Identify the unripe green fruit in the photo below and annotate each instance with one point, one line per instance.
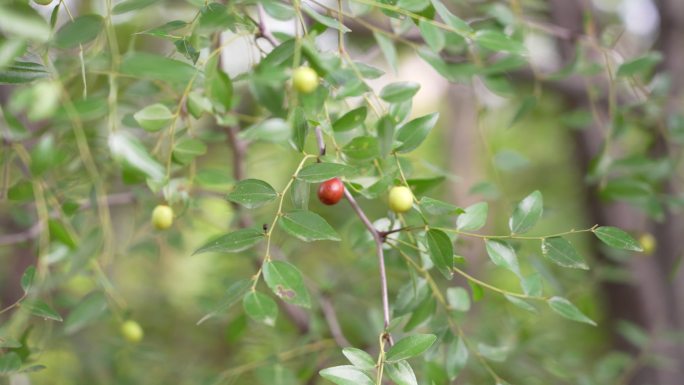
(648, 243)
(132, 331)
(400, 199)
(42, 2)
(162, 217)
(305, 80)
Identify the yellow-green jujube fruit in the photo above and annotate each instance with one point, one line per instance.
(132, 331)
(162, 217)
(305, 80)
(648, 243)
(400, 199)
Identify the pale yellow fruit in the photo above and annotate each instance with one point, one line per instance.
(132, 331)
(162, 217)
(648, 243)
(400, 199)
(305, 80)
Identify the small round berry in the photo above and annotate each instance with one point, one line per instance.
(331, 191)
(400, 199)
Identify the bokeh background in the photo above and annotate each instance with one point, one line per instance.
(493, 142)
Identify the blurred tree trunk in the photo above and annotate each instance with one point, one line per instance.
(650, 300)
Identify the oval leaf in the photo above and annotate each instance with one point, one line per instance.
(153, 117)
(82, 30)
(287, 283)
(320, 172)
(566, 309)
(401, 373)
(350, 120)
(563, 253)
(503, 255)
(41, 309)
(441, 251)
(346, 375)
(617, 238)
(399, 92)
(232, 242)
(412, 134)
(260, 307)
(359, 358)
(308, 226)
(410, 346)
(252, 193)
(526, 213)
(474, 218)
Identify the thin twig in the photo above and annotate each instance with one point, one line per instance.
(331, 318)
(264, 31)
(381, 259)
(320, 140)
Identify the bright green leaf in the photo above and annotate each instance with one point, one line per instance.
(617, 238)
(233, 242)
(526, 213)
(252, 193)
(308, 226)
(474, 218)
(563, 253)
(566, 309)
(410, 346)
(287, 283)
(260, 307)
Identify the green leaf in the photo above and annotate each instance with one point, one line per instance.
(59, 233)
(459, 26)
(413, 133)
(155, 67)
(350, 120)
(308, 226)
(128, 151)
(320, 172)
(287, 283)
(413, 5)
(410, 346)
(233, 242)
(497, 41)
(457, 357)
(79, 31)
(458, 299)
(187, 149)
(275, 130)
(9, 343)
(215, 16)
(503, 255)
(493, 353)
(325, 20)
(359, 358)
(346, 375)
(10, 363)
(563, 253)
(441, 251)
(421, 314)
(87, 311)
(260, 307)
(19, 19)
(521, 303)
(153, 117)
(641, 65)
(566, 309)
(362, 148)
(433, 35)
(10, 50)
(526, 213)
(27, 278)
(385, 130)
(388, 49)
(131, 5)
(401, 373)
(234, 293)
(474, 218)
(532, 285)
(617, 238)
(219, 87)
(252, 193)
(41, 309)
(21, 72)
(399, 91)
(437, 207)
(44, 155)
